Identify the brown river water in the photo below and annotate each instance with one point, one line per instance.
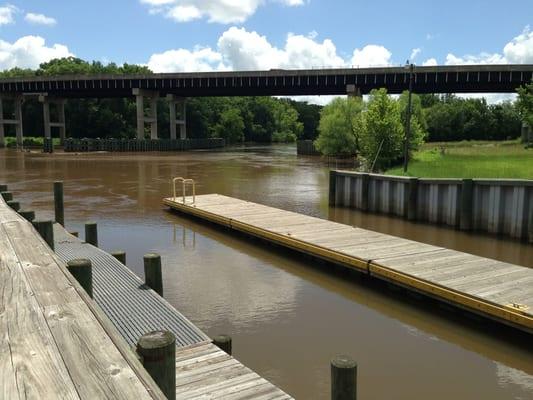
(287, 317)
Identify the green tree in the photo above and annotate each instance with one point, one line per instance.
(382, 133)
(524, 104)
(418, 120)
(309, 116)
(231, 126)
(340, 127)
(287, 128)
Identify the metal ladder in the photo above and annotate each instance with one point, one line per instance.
(184, 182)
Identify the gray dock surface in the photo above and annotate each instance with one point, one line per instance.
(134, 308)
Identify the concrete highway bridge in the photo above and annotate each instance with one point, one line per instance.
(176, 87)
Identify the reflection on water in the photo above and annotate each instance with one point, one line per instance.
(286, 317)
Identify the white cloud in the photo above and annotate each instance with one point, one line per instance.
(414, 53)
(7, 14)
(518, 51)
(239, 49)
(221, 11)
(200, 59)
(430, 62)
(29, 52)
(244, 50)
(482, 58)
(371, 56)
(293, 3)
(491, 98)
(39, 19)
(184, 13)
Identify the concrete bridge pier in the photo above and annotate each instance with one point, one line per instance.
(48, 123)
(179, 117)
(142, 118)
(17, 100)
(353, 91)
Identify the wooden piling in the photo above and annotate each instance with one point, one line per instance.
(91, 233)
(152, 272)
(8, 196)
(15, 205)
(158, 354)
(27, 214)
(120, 255)
(332, 187)
(82, 270)
(3, 188)
(58, 203)
(46, 230)
(467, 197)
(343, 378)
(223, 342)
(412, 199)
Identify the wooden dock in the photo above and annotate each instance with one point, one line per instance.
(132, 307)
(491, 288)
(202, 370)
(55, 342)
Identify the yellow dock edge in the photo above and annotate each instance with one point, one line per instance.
(514, 318)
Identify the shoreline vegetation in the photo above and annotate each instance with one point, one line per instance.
(470, 159)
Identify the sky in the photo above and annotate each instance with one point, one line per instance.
(201, 35)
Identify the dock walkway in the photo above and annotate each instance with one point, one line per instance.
(55, 343)
(202, 369)
(494, 289)
(124, 297)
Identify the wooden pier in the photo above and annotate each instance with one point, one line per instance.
(491, 288)
(202, 369)
(55, 342)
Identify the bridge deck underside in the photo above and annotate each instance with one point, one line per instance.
(440, 79)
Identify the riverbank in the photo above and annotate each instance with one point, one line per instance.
(470, 159)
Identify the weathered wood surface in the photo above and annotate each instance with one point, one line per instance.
(54, 342)
(206, 372)
(495, 289)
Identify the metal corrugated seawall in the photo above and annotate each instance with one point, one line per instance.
(133, 308)
(498, 206)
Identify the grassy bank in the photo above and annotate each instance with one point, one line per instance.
(29, 141)
(473, 159)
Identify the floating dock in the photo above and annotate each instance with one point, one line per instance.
(491, 288)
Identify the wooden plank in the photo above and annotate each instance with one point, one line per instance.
(39, 369)
(207, 372)
(216, 387)
(80, 338)
(48, 365)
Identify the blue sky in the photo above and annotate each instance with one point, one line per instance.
(181, 35)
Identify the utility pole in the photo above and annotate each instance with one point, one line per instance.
(411, 68)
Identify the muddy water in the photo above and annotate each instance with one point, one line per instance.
(287, 318)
